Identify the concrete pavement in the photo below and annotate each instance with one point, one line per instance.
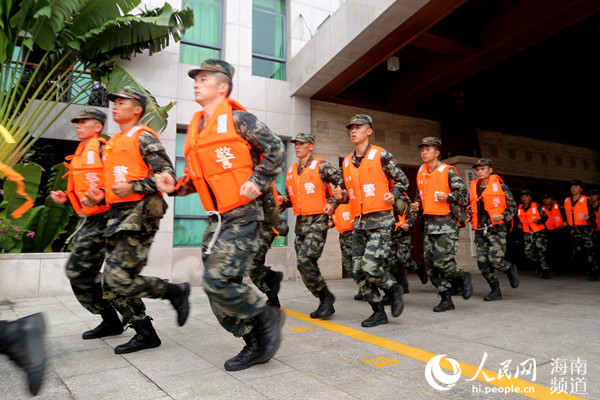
(550, 328)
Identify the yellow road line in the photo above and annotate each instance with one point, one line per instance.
(541, 392)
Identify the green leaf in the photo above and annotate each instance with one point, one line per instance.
(155, 116)
(32, 174)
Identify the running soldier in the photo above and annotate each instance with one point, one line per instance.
(532, 219)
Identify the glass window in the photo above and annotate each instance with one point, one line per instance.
(191, 219)
(268, 38)
(204, 39)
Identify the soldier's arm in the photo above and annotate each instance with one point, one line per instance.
(511, 204)
(332, 175)
(155, 156)
(393, 171)
(262, 141)
(458, 190)
(543, 216)
(592, 213)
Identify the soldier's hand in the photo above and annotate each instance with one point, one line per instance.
(328, 209)
(404, 227)
(415, 206)
(249, 190)
(164, 182)
(58, 196)
(92, 197)
(337, 193)
(279, 200)
(122, 189)
(497, 217)
(389, 198)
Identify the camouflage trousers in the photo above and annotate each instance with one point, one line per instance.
(490, 244)
(596, 237)
(402, 251)
(84, 264)
(582, 247)
(124, 287)
(234, 303)
(370, 253)
(439, 252)
(309, 247)
(346, 249)
(534, 246)
(259, 271)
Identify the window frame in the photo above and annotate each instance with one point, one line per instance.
(273, 58)
(218, 47)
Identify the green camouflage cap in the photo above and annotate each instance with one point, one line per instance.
(213, 65)
(360, 119)
(91, 113)
(304, 137)
(576, 182)
(129, 92)
(431, 141)
(525, 192)
(483, 162)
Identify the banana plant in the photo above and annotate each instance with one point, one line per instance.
(46, 45)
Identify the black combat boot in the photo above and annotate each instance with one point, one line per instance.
(422, 274)
(378, 317)
(397, 303)
(325, 308)
(446, 303)
(359, 296)
(513, 276)
(145, 338)
(268, 327)
(456, 286)
(247, 357)
(495, 294)
(401, 279)
(110, 325)
(467, 287)
(23, 341)
(274, 279)
(179, 295)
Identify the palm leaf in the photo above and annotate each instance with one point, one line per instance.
(155, 116)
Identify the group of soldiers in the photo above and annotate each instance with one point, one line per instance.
(564, 237)
(232, 160)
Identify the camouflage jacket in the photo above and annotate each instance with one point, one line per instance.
(329, 175)
(458, 197)
(263, 142)
(143, 216)
(393, 171)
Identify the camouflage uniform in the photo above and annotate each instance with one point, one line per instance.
(129, 233)
(441, 237)
(346, 249)
(582, 243)
(311, 231)
(490, 240)
(233, 254)
(259, 272)
(85, 262)
(536, 243)
(372, 235)
(401, 256)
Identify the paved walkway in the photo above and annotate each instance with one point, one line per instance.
(547, 327)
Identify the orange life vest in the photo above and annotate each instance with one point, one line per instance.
(307, 191)
(124, 163)
(577, 212)
(554, 217)
(494, 199)
(218, 158)
(343, 218)
(85, 172)
(366, 184)
(429, 183)
(526, 218)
